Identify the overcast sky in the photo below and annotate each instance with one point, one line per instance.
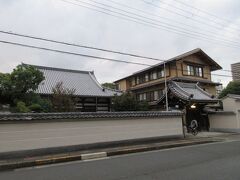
(59, 20)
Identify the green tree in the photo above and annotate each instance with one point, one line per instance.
(5, 88)
(18, 89)
(109, 85)
(62, 98)
(23, 81)
(232, 88)
(128, 102)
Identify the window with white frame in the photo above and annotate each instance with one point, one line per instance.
(137, 80)
(118, 86)
(133, 82)
(146, 77)
(156, 95)
(154, 75)
(142, 96)
(190, 70)
(198, 71)
(194, 71)
(161, 73)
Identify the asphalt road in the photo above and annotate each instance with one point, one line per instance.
(24, 136)
(220, 161)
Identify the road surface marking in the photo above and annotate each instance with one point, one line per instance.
(93, 155)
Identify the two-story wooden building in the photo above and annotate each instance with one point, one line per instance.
(189, 83)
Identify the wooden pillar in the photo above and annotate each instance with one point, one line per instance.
(83, 106)
(109, 104)
(96, 103)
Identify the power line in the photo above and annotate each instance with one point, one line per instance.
(158, 16)
(110, 14)
(192, 14)
(204, 11)
(83, 46)
(108, 5)
(88, 56)
(129, 18)
(72, 53)
(154, 20)
(78, 45)
(126, 17)
(179, 14)
(233, 72)
(154, 25)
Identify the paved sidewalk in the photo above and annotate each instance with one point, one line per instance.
(209, 134)
(25, 159)
(12, 160)
(216, 161)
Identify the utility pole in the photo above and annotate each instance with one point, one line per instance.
(165, 79)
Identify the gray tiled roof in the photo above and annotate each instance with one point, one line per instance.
(190, 80)
(214, 66)
(86, 115)
(84, 82)
(181, 79)
(190, 92)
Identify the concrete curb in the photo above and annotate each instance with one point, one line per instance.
(96, 155)
(85, 147)
(152, 148)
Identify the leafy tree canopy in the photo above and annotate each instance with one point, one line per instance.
(109, 85)
(232, 88)
(26, 78)
(23, 80)
(18, 89)
(5, 88)
(128, 102)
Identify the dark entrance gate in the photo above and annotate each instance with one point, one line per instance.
(197, 114)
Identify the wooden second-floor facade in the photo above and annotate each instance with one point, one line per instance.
(193, 66)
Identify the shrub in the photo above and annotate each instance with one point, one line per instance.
(35, 108)
(34, 103)
(62, 98)
(143, 106)
(128, 102)
(21, 107)
(46, 105)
